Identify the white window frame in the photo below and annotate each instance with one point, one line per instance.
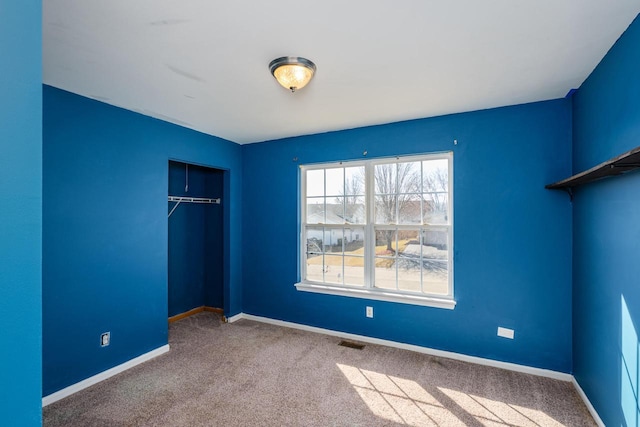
(369, 291)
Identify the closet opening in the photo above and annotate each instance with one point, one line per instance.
(195, 240)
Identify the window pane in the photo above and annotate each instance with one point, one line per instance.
(435, 277)
(385, 262)
(314, 240)
(351, 241)
(408, 176)
(354, 182)
(435, 242)
(435, 207)
(333, 269)
(409, 278)
(409, 209)
(386, 243)
(315, 210)
(315, 183)
(409, 260)
(354, 256)
(408, 243)
(355, 210)
(332, 240)
(335, 210)
(385, 273)
(335, 182)
(435, 175)
(314, 268)
(354, 270)
(385, 179)
(385, 210)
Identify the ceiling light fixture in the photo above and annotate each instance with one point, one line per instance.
(292, 72)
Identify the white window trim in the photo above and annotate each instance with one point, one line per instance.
(377, 294)
(372, 293)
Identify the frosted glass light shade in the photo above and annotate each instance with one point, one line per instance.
(292, 72)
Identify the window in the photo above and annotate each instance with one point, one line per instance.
(379, 229)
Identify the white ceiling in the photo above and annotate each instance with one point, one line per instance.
(203, 64)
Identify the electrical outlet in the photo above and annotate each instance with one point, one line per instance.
(369, 311)
(105, 338)
(505, 332)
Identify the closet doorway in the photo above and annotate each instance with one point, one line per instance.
(196, 238)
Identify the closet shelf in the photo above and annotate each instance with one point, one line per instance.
(180, 199)
(618, 165)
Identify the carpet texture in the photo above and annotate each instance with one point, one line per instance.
(253, 374)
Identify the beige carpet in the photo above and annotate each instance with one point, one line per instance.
(252, 374)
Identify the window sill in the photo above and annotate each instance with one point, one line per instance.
(379, 295)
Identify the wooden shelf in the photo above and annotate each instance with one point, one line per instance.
(618, 165)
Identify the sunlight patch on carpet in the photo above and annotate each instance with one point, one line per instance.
(398, 399)
(494, 413)
(406, 402)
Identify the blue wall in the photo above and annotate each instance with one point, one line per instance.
(195, 240)
(105, 237)
(20, 211)
(606, 285)
(512, 238)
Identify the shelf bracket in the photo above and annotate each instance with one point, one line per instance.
(174, 208)
(569, 191)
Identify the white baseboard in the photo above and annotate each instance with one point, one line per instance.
(74, 388)
(586, 401)
(425, 350)
(235, 318)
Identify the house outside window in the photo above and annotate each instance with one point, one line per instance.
(379, 229)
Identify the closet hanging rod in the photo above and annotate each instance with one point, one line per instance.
(179, 200)
(193, 200)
